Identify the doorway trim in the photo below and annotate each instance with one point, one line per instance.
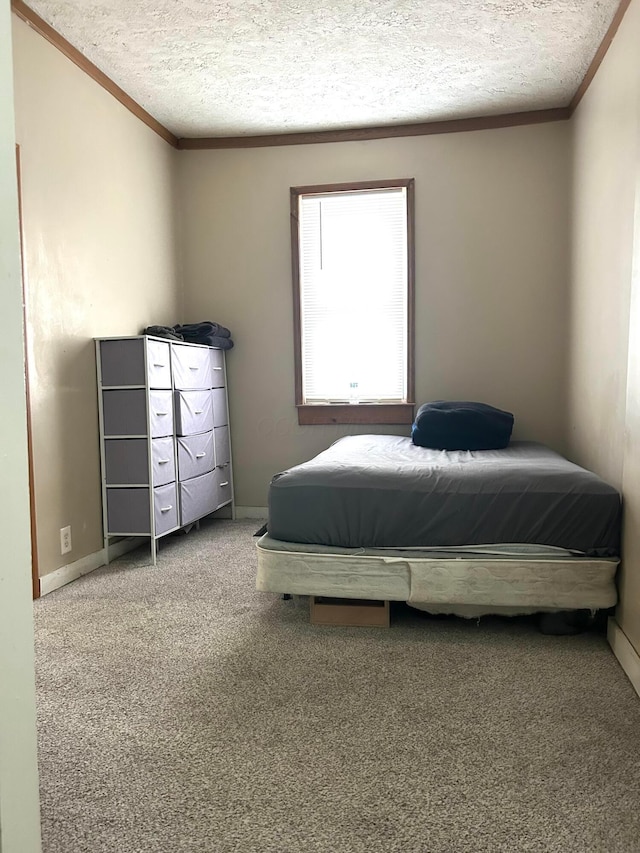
(35, 573)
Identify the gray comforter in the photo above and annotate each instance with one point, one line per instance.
(381, 491)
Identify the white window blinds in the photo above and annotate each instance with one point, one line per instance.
(354, 296)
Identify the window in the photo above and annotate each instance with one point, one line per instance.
(353, 266)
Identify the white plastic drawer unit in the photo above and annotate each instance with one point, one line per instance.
(128, 510)
(122, 362)
(195, 455)
(191, 367)
(198, 497)
(164, 435)
(127, 461)
(194, 412)
(217, 368)
(125, 412)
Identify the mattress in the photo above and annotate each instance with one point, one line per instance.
(382, 491)
(468, 583)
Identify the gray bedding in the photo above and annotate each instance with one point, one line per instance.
(382, 491)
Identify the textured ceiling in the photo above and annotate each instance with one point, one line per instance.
(234, 67)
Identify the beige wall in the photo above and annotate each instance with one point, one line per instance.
(491, 272)
(98, 205)
(604, 412)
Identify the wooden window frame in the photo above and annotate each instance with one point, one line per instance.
(358, 413)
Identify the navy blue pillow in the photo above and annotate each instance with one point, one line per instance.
(461, 426)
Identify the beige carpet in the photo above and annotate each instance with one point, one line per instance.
(180, 710)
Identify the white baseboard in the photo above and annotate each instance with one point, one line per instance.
(73, 571)
(251, 512)
(627, 656)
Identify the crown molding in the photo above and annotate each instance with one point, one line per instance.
(46, 31)
(600, 54)
(390, 131)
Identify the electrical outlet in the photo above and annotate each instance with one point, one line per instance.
(65, 539)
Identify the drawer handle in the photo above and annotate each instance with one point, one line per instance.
(165, 508)
(200, 455)
(192, 367)
(161, 414)
(198, 411)
(224, 484)
(163, 461)
(217, 368)
(157, 364)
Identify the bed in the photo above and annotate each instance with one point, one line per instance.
(516, 530)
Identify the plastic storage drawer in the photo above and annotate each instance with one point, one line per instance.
(217, 368)
(219, 396)
(194, 412)
(195, 455)
(198, 497)
(128, 510)
(191, 367)
(125, 412)
(122, 363)
(127, 461)
(221, 441)
(223, 485)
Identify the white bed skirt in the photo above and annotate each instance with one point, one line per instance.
(469, 585)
